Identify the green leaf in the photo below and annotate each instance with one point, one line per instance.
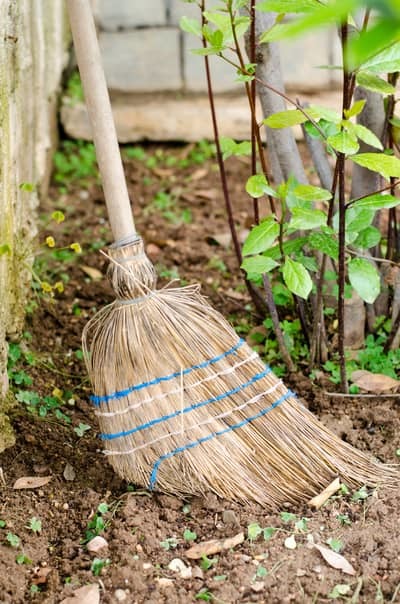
(386, 165)
(307, 219)
(102, 508)
(374, 83)
(387, 61)
(191, 26)
(189, 535)
(336, 545)
(284, 119)
(288, 517)
(5, 249)
(341, 589)
(355, 109)
(344, 143)
(367, 136)
(261, 237)
(13, 540)
(358, 219)
(367, 238)
(257, 186)
(253, 531)
(269, 532)
(318, 112)
(230, 147)
(364, 278)
(324, 243)
(296, 278)
(287, 6)
(310, 193)
(258, 264)
(377, 202)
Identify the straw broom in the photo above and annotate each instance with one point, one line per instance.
(184, 405)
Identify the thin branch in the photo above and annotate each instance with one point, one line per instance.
(277, 327)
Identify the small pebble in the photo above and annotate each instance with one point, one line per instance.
(96, 544)
(229, 517)
(177, 565)
(300, 572)
(164, 582)
(147, 565)
(65, 506)
(120, 595)
(257, 586)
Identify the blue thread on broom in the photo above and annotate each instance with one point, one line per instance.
(97, 400)
(164, 418)
(153, 475)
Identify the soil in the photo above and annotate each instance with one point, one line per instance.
(146, 531)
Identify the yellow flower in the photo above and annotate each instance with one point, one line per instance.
(50, 241)
(76, 247)
(57, 393)
(59, 286)
(58, 216)
(46, 287)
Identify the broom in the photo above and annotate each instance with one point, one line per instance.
(184, 405)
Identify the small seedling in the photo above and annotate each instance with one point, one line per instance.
(35, 525)
(96, 525)
(261, 572)
(169, 543)
(3, 523)
(341, 589)
(13, 540)
(34, 589)
(204, 595)
(301, 525)
(81, 429)
(207, 563)
(398, 452)
(189, 535)
(288, 517)
(360, 495)
(269, 532)
(336, 545)
(344, 519)
(98, 564)
(253, 531)
(22, 559)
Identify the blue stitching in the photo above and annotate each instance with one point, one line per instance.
(178, 412)
(97, 400)
(153, 475)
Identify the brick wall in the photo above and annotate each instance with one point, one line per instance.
(144, 51)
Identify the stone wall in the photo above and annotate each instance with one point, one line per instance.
(144, 50)
(33, 53)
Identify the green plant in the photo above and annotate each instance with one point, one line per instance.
(22, 559)
(81, 429)
(360, 495)
(74, 90)
(309, 226)
(206, 563)
(13, 540)
(336, 545)
(98, 564)
(169, 543)
(205, 595)
(97, 523)
(35, 525)
(344, 519)
(166, 204)
(74, 161)
(189, 535)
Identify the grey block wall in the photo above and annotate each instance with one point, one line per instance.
(144, 50)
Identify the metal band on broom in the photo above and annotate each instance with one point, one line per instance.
(184, 406)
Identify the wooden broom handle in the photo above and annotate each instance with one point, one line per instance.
(100, 116)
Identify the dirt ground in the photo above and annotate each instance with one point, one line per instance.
(145, 531)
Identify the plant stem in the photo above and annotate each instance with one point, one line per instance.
(253, 98)
(252, 106)
(277, 327)
(342, 218)
(254, 294)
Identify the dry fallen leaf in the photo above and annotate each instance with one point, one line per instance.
(335, 560)
(319, 500)
(378, 383)
(89, 594)
(93, 273)
(208, 548)
(31, 482)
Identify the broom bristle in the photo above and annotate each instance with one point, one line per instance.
(184, 406)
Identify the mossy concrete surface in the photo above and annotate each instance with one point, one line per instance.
(33, 52)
